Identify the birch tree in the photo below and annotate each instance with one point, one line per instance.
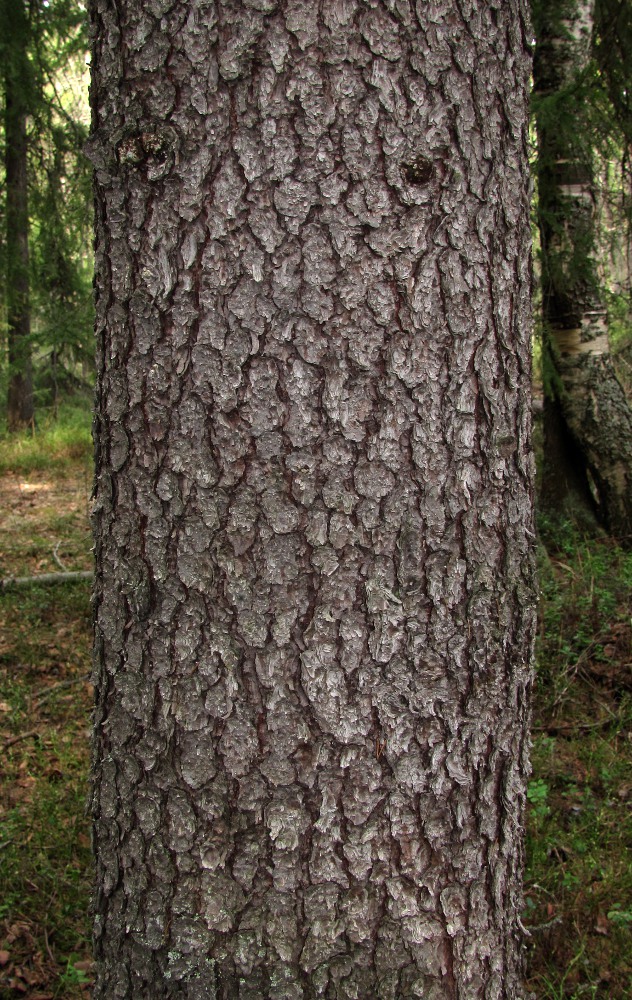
(587, 416)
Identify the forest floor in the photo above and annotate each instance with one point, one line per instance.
(579, 888)
(45, 703)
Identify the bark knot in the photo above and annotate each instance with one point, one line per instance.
(418, 171)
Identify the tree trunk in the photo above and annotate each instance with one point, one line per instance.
(565, 489)
(14, 27)
(313, 503)
(581, 375)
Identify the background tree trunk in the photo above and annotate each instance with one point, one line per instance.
(14, 29)
(313, 503)
(565, 488)
(590, 407)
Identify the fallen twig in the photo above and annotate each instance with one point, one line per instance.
(573, 727)
(537, 928)
(50, 691)
(47, 943)
(32, 581)
(21, 736)
(61, 565)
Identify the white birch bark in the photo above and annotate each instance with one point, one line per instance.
(588, 408)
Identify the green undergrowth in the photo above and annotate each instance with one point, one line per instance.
(579, 884)
(44, 852)
(45, 703)
(57, 443)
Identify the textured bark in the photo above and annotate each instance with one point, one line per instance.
(313, 504)
(14, 26)
(588, 396)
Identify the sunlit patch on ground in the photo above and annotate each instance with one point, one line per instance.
(25, 487)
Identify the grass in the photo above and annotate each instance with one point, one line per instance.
(56, 445)
(579, 880)
(45, 703)
(45, 857)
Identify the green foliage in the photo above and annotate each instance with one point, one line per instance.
(537, 795)
(61, 188)
(619, 321)
(612, 47)
(52, 60)
(57, 443)
(595, 108)
(580, 824)
(620, 916)
(584, 127)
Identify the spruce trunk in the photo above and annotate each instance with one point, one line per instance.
(313, 501)
(14, 24)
